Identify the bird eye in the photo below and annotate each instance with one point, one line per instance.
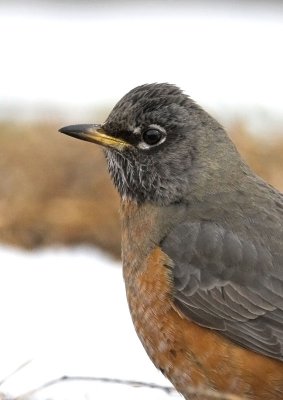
(151, 136)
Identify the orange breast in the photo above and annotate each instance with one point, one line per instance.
(193, 357)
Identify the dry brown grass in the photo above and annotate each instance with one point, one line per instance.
(55, 190)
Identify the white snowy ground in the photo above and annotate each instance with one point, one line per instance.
(69, 61)
(65, 309)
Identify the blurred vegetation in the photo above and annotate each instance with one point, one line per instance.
(55, 190)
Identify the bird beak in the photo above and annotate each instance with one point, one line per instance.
(93, 133)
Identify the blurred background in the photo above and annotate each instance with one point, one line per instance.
(67, 62)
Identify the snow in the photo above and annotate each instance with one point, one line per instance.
(76, 60)
(65, 309)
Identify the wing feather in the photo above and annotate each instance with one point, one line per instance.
(228, 283)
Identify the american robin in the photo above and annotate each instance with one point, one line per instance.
(202, 245)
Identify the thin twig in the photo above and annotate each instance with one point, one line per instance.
(64, 378)
(3, 380)
(207, 393)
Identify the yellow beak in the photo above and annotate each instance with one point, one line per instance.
(93, 133)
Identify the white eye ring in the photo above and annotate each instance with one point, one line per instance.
(152, 137)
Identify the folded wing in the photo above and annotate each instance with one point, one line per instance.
(227, 283)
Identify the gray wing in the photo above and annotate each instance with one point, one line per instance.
(229, 284)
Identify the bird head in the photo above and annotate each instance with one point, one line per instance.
(158, 142)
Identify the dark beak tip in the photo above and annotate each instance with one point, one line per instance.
(64, 129)
(77, 129)
(68, 130)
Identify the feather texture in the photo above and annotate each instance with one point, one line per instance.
(228, 283)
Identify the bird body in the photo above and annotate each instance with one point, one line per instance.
(202, 246)
(190, 355)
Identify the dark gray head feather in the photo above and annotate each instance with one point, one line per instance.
(193, 150)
